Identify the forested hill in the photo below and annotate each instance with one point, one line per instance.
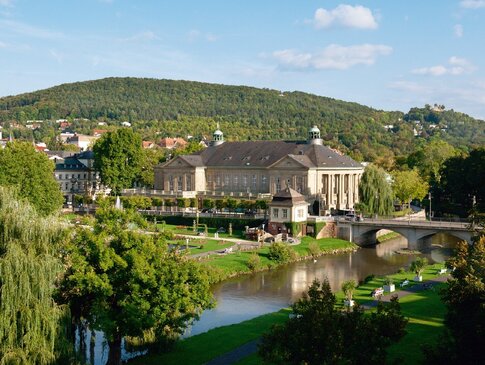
(185, 107)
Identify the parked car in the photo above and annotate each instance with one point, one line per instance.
(208, 210)
(350, 217)
(221, 230)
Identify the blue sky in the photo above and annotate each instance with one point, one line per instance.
(390, 55)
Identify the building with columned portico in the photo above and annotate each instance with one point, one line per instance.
(326, 178)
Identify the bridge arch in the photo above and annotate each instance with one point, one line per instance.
(461, 235)
(367, 236)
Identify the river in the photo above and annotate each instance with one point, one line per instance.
(249, 296)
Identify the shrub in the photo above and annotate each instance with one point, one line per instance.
(280, 252)
(369, 278)
(254, 262)
(314, 249)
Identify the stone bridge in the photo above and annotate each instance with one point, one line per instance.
(363, 233)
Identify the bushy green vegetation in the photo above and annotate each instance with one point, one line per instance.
(174, 107)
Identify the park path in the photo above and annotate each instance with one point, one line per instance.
(249, 348)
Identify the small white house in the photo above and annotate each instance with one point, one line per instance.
(287, 206)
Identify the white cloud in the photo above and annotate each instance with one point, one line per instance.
(472, 4)
(333, 56)
(6, 3)
(195, 35)
(346, 16)
(458, 30)
(59, 57)
(456, 66)
(29, 30)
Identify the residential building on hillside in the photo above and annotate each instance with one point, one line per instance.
(327, 179)
(83, 142)
(171, 143)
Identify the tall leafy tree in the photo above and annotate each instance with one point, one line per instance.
(126, 283)
(150, 158)
(33, 175)
(29, 269)
(408, 185)
(429, 158)
(319, 333)
(118, 155)
(375, 192)
(462, 187)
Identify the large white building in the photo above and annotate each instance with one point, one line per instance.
(328, 179)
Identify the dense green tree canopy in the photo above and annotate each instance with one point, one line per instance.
(29, 269)
(319, 333)
(119, 157)
(178, 108)
(375, 192)
(429, 158)
(408, 185)
(462, 184)
(126, 283)
(151, 157)
(465, 318)
(32, 174)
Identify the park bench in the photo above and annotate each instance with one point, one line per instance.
(404, 283)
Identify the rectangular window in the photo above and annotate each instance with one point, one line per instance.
(170, 183)
(245, 180)
(275, 212)
(300, 213)
(60, 176)
(278, 185)
(264, 180)
(218, 180)
(188, 183)
(179, 183)
(227, 180)
(236, 182)
(254, 182)
(285, 213)
(78, 176)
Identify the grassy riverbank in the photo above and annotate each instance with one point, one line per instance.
(225, 266)
(387, 237)
(424, 310)
(201, 348)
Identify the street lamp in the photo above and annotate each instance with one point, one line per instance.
(430, 211)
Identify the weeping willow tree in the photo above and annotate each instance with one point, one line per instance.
(376, 196)
(29, 267)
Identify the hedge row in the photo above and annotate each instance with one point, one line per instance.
(237, 223)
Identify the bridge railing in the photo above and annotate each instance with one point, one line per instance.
(417, 219)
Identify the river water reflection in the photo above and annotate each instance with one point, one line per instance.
(249, 296)
(246, 297)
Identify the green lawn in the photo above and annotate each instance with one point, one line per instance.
(362, 293)
(206, 245)
(188, 230)
(201, 348)
(425, 311)
(237, 262)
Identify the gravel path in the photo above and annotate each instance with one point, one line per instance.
(251, 347)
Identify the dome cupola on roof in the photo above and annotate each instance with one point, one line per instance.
(314, 136)
(217, 137)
